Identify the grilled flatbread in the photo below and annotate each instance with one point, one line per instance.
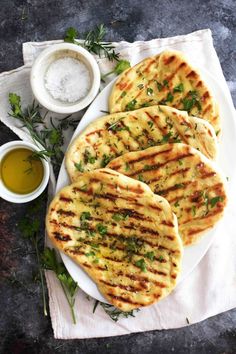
(116, 134)
(122, 234)
(166, 78)
(186, 178)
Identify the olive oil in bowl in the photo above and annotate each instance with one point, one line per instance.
(21, 171)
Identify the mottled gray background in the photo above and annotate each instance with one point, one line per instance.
(23, 329)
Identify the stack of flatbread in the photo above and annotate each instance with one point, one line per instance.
(144, 182)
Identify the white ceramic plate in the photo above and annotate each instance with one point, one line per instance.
(226, 161)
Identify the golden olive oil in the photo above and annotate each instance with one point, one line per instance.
(21, 172)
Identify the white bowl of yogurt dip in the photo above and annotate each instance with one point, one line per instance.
(65, 78)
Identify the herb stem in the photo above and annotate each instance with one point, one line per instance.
(35, 242)
(107, 74)
(70, 301)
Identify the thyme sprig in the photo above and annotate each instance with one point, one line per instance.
(114, 313)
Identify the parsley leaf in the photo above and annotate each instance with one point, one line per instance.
(88, 158)
(85, 215)
(190, 101)
(131, 105)
(140, 86)
(106, 159)
(150, 255)
(140, 178)
(193, 210)
(141, 264)
(79, 166)
(120, 216)
(121, 66)
(169, 97)
(149, 91)
(102, 229)
(71, 35)
(179, 88)
(213, 201)
(159, 85)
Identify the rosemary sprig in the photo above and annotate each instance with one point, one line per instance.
(93, 42)
(69, 286)
(49, 139)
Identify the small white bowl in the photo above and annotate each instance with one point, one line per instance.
(41, 65)
(5, 193)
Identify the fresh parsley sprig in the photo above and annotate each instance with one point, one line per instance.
(69, 286)
(121, 66)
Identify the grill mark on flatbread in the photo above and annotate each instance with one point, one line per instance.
(66, 212)
(159, 165)
(155, 207)
(167, 61)
(149, 65)
(117, 236)
(174, 188)
(208, 215)
(205, 95)
(207, 175)
(86, 265)
(128, 288)
(108, 196)
(95, 132)
(192, 75)
(130, 134)
(155, 271)
(61, 237)
(140, 278)
(179, 172)
(64, 224)
(167, 223)
(65, 199)
(155, 121)
(120, 248)
(207, 109)
(126, 300)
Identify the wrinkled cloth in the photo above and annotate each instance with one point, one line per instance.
(211, 287)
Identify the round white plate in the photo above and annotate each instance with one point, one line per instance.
(226, 161)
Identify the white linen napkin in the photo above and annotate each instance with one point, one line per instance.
(211, 287)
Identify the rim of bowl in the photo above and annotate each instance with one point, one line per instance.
(5, 193)
(35, 72)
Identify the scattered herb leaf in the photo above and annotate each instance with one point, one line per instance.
(141, 264)
(179, 88)
(131, 105)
